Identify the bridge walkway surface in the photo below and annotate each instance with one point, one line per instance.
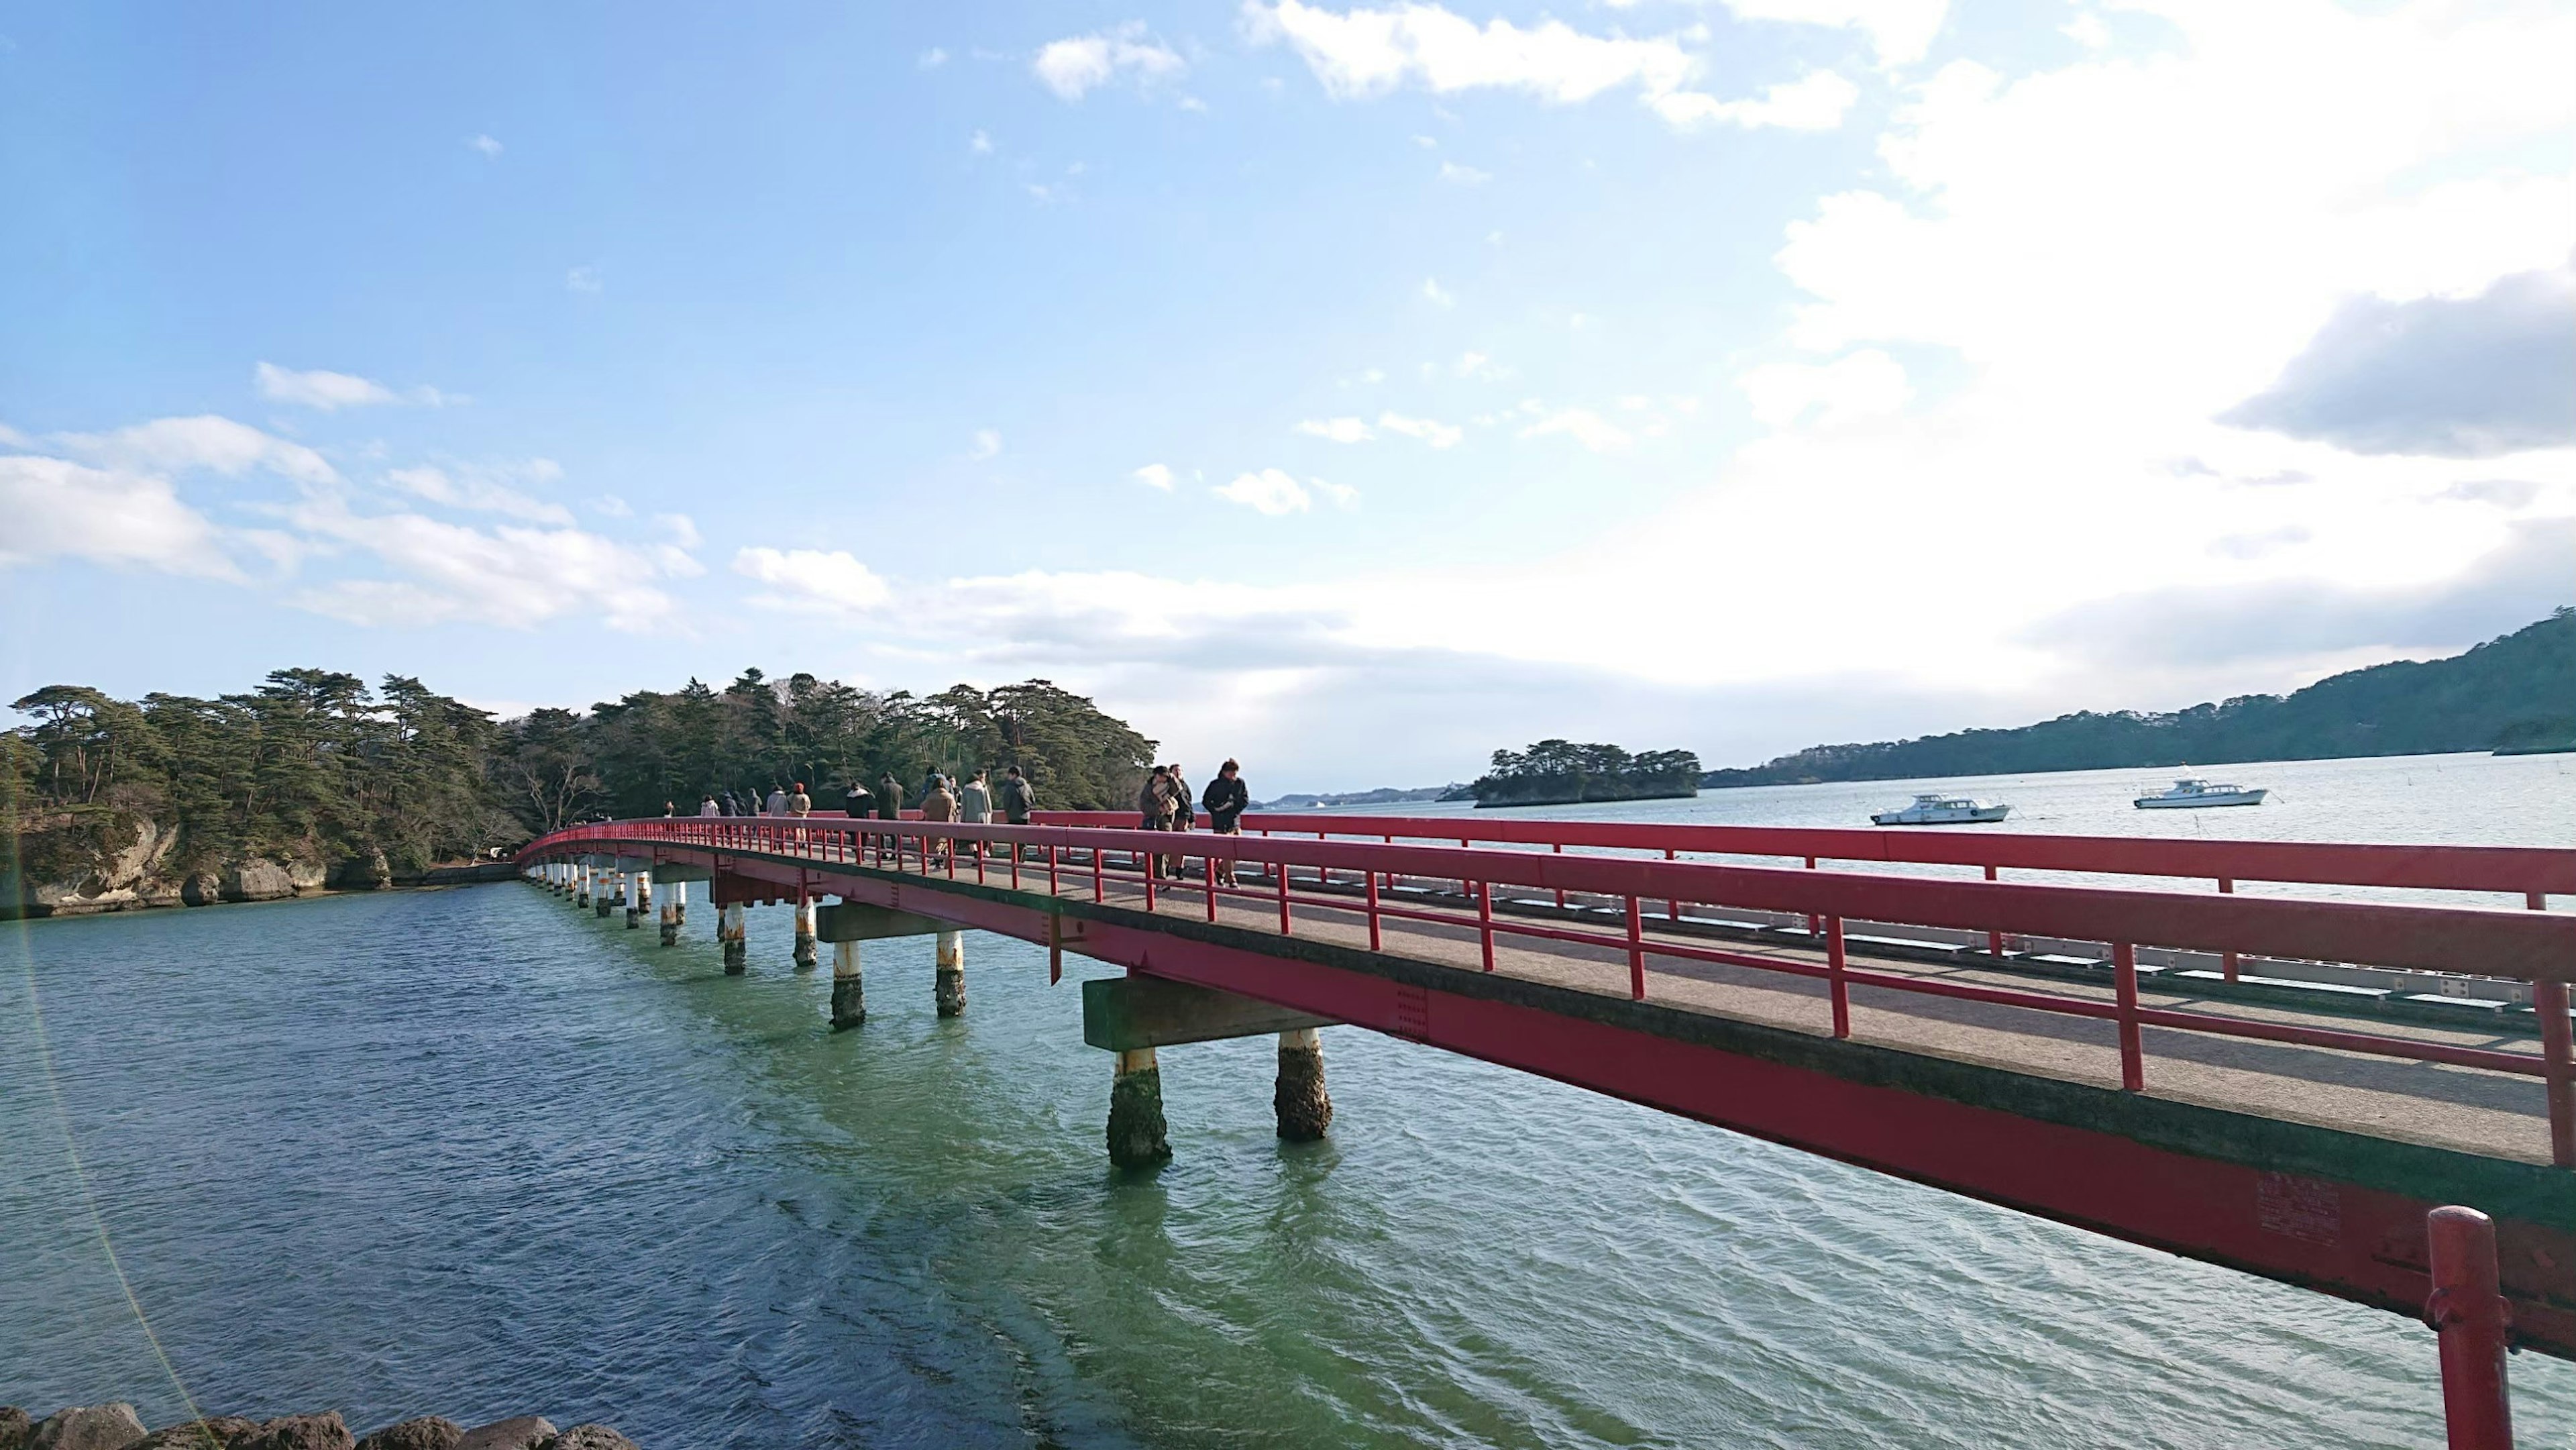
(2057, 1048)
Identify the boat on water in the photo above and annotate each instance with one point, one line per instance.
(2192, 793)
(1942, 810)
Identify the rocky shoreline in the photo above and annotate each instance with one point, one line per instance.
(140, 877)
(117, 1427)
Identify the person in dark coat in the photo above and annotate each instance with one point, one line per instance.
(889, 797)
(1019, 798)
(1225, 800)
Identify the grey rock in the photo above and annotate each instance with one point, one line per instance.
(15, 1428)
(429, 1432)
(590, 1437)
(257, 879)
(89, 1427)
(325, 1431)
(215, 1432)
(527, 1432)
(201, 888)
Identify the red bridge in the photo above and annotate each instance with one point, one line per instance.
(2286, 1080)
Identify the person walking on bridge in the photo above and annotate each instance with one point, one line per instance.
(776, 805)
(732, 804)
(889, 797)
(708, 807)
(939, 806)
(854, 801)
(1184, 817)
(798, 802)
(1154, 810)
(975, 800)
(1018, 799)
(1226, 798)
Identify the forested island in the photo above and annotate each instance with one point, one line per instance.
(2514, 692)
(313, 780)
(1560, 772)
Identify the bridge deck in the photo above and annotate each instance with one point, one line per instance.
(2437, 1104)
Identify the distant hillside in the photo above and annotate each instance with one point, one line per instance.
(2519, 690)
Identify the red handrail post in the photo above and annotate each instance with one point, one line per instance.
(2467, 1310)
(2558, 1068)
(1994, 939)
(1837, 986)
(2227, 959)
(1211, 886)
(1672, 908)
(1557, 848)
(1484, 893)
(1814, 923)
(1015, 863)
(2133, 1057)
(1099, 891)
(1636, 950)
(979, 860)
(2558, 1073)
(1283, 898)
(1151, 869)
(1051, 871)
(1374, 940)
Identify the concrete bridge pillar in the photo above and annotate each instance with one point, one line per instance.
(948, 985)
(1305, 1110)
(580, 887)
(604, 902)
(671, 918)
(679, 903)
(1137, 1137)
(803, 951)
(637, 894)
(644, 890)
(729, 934)
(849, 994)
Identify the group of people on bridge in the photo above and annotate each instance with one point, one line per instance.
(943, 798)
(1163, 804)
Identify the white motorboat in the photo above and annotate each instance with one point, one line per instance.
(2191, 793)
(1942, 810)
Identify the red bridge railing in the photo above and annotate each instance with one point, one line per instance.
(1354, 876)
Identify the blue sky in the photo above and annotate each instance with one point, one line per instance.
(1354, 389)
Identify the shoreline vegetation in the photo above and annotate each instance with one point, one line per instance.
(315, 782)
(1560, 772)
(2515, 694)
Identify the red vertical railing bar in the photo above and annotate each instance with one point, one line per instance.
(1211, 886)
(1015, 864)
(1374, 939)
(2133, 1057)
(2557, 1058)
(953, 854)
(1051, 869)
(1814, 923)
(1149, 883)
(2468, 1312)
(1636, 950)
(2227, 959)
(1484, 921)
(1672, 908)
(1283, 898)
(1994, 939)
(1837, 987)
(979, 861)
(1099, 890)
(1559, 849)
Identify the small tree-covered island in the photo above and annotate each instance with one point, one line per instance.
(1560, 773)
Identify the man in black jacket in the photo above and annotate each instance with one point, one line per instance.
(1225, 800)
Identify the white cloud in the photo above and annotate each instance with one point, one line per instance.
(980, 144)
(58, 508)
(1359, 54)
(1816, 101)
(1429, 430)
(1451, 171)
(682, 529)
(611, 506)
(583, 279)
(1339, 430)
(512, 576)
(1362, 53)
(1901, 30)
(988, 444)
(206, 442)
(813, 581)
(1480, 367)
(1867, 383)
(1584, 426)
(330, 392)
(486, 488)
(326, 391)
(1077, 65)
(1437, 295)
(1271, 491)
(1155, 475)
(1342, 497)
(484, 144)
(931, 59)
